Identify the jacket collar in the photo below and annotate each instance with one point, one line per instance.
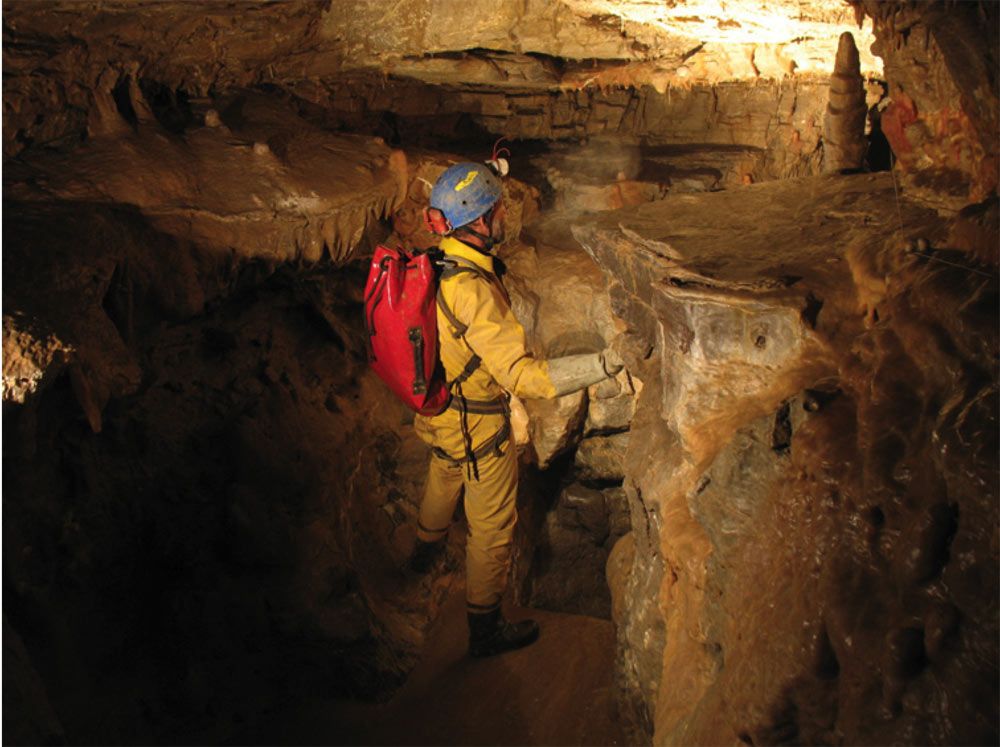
(452, 246)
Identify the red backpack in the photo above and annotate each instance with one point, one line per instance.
(401, 315)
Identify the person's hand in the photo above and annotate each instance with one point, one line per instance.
(605, 389)
(611, 361)
(630, 347)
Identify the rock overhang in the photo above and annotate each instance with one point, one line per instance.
(745, 292)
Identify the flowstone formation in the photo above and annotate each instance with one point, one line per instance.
(816, 465)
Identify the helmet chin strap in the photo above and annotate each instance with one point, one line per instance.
(488, 241)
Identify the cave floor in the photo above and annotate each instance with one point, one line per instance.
(558, 691)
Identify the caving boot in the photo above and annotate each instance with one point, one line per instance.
(425, 555)
(491, 634)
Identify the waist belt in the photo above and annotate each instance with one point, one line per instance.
(496, 406)
(492, 444)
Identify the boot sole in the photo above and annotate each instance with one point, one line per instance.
(481, 652)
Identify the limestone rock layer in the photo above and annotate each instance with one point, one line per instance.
(178, 50)
(823, 476)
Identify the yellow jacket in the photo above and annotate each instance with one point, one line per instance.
(494, 334)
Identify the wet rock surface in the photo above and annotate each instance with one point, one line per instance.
(823, 489)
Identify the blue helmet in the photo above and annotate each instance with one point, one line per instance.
(464, 192)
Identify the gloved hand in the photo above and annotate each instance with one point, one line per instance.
(611, 361)
(631, 348)
(572, 372)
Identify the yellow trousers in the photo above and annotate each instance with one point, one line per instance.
(491, 511)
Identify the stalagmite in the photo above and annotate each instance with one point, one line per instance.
(844, 124)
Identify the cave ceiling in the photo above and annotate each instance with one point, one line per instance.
(565, 44)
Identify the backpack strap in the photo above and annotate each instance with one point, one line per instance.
(459, 328)
(453, 267)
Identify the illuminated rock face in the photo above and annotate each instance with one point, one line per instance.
(792, 491)
(812, 466)
(498, 62)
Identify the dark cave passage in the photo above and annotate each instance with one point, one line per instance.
(205, 606)
(776, 524)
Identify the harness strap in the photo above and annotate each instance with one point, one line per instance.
(451, 269)
(497, 406)
(492, 444)
(470, 368)
(455, 266)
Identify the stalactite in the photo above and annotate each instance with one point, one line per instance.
(859, 13)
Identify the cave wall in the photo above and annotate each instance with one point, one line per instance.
(194, 532)
(819, 551)
(568, 69)
(226, 543)
(811, 470)
(762, 130)
(152, 224)
(942, 113)
(66, 64)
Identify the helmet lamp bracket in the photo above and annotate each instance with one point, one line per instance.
(500, 166)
